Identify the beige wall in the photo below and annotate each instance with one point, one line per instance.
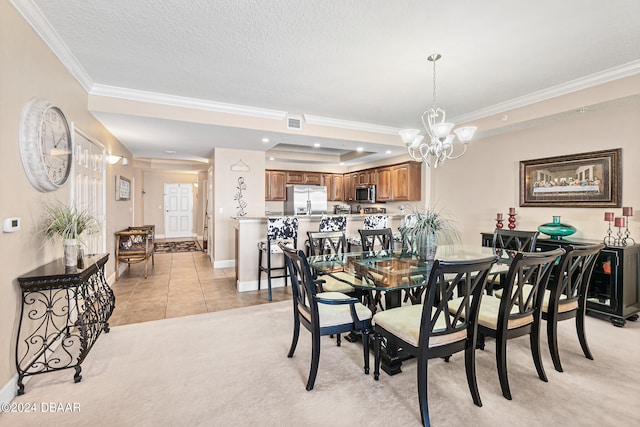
(225, 188)
(485, 181)
(29, 69)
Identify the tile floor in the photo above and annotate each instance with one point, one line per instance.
(181, 284)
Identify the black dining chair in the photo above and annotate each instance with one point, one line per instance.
(431, 330)
(566, 297)
(504, 318)
(324, 313)
(506, 244)
(331, 243)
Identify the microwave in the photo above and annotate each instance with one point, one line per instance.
(366, 194)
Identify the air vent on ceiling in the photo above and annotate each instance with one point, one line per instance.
(294, 122)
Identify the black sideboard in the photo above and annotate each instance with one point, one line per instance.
(614, 291)
(63, 313)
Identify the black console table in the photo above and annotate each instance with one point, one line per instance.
(63, 313)
(614, 291)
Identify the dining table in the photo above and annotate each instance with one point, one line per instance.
(384, 279)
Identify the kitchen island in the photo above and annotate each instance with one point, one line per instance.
(251, 230)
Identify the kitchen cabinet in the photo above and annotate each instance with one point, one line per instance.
(406, 181)
(350, 180)
(383, 188)
(299, 177)
(335, 186)
(338, 187)
(367, 177)
(326, 179)
(275, 185)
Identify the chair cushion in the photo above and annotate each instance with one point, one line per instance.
(563, 307)
(488, 313)
(404, 323)
(338, 314)
(333, 284)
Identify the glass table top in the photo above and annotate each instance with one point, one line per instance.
(386, 270)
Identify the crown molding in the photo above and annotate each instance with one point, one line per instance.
(34, 17)
(184, 102)
(586, 82)
(347, 124)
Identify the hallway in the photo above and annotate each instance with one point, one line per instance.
(181, 284)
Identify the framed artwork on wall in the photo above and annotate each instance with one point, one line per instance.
(123, 188)
(579, 180)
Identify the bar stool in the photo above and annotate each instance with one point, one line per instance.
(279, 229)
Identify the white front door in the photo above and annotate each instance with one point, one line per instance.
(89, 187)
(178, 210)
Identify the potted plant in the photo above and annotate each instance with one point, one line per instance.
(423, 230)
(67, 223)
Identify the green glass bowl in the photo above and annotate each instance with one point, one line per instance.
(556, 229)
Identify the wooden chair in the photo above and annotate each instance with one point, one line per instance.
(279, 229)
(506, 318)
(324, 313)
(133, 246)
(566, 297)
(431, 330)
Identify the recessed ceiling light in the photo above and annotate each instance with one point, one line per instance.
(170, 151)
(265, 140)
(317, 144)
(388, 152)
(271, 158)
(359, 149)
(341, 163)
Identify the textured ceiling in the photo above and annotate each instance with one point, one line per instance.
(354, 60)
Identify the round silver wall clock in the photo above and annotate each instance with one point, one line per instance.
(45, 145)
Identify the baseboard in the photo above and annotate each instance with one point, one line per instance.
(226, 263)
(9, 390)
(252, 285)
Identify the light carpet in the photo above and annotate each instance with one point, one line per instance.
(230, 369)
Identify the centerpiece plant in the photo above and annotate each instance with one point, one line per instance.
(67, 223)
(423, 230)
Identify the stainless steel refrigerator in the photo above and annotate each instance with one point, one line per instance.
(306, 200)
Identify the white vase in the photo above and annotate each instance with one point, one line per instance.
(70, 252)
(426, 242)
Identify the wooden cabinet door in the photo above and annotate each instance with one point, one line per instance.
(276, 183)
(294, 177)
(312, 178)
(267, 186)
(383, 188)
(338, 188)
(327, 181)
(349, 191)
(406, 182)
(363, 178)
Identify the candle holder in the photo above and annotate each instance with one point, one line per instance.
(608, 239)
(512, 218)
(619, 241)
(499, 221)
(627, 212)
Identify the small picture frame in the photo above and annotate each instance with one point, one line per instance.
(123, 188)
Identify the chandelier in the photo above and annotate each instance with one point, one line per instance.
(439, 145)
